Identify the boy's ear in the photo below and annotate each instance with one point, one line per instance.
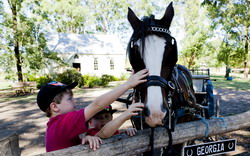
(53, 107)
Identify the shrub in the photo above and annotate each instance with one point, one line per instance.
(124, 76)
(94, 81)
(43, 80)
(86, 79)
(91, 81)
(106, 79)
(31, 77)
(70, 76)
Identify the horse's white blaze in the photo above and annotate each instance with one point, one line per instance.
(153, 55)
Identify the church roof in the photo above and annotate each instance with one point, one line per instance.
(84, 43)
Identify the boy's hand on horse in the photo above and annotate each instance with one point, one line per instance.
(137, 78)
(134, 109)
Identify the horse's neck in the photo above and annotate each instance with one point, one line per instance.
(184, 88)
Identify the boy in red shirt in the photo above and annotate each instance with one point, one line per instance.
(66, 123)
(104, 126)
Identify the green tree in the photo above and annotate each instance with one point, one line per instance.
(107, 16)
(23, 44)
(68, 16)
(196, 33)
(233, 19)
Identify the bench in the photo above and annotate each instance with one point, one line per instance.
(24, 87)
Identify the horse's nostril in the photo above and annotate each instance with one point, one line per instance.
(146, 112)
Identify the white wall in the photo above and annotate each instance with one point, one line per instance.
(87, 64)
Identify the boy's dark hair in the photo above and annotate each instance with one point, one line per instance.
(48, 92)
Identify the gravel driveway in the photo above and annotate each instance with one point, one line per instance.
(235, 102)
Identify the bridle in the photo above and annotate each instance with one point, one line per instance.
(150, 27)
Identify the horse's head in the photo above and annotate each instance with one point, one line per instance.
(151, 46)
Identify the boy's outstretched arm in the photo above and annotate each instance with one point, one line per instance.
(111, 127)
(106, 99)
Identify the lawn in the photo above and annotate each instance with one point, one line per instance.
(4, 84)
(237, 83)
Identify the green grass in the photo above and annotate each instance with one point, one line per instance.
(237, 83)
(4, 84)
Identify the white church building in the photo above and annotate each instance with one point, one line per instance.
(88, 53)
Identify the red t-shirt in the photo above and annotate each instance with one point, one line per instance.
(63, 130)
(93, 132)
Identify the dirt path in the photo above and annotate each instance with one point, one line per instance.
(235, 102)
(24, 117)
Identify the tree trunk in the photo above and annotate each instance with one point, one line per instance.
(13, 7)
(246, 63)
(18, 62)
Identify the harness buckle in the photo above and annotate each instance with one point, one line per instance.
(171, 85)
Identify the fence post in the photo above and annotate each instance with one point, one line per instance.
(9, 145)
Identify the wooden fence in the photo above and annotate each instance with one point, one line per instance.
(9, 144)
(124, 145)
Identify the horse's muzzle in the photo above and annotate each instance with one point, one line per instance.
(155, 119)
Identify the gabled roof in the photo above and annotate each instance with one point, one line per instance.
(84, 43)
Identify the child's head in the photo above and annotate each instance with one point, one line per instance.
(56, 96)
(102, 118)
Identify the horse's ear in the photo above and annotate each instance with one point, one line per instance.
(168, 16)
(133, 20)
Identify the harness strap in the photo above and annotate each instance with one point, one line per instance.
(185, 78)
(152, 141)
(158, 78)
(154, 80)
(175, 78)
(205, 123)
(168, 151)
